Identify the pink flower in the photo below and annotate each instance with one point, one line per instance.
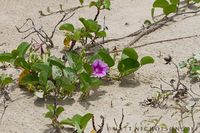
(100, 69)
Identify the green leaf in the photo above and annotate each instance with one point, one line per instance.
(70, 73)
(85, 82)
(51, 107)
(56, 72)
(152, 12)
(174, 130)
(21, 62)
(182, 64)
(67, 86)
(7, 80)
(77, 35)
(95, 82)
(72, 58)
(81, 1)
(101, 34)
(129, 52)
(147, 23)
(50, 85)
(30, 79)
(43, 78)
(186, 130)
(15, 53)
(84, 120)
(78, 121)
(90, 25)
(49, 115)
(55, 61)
(75, 61)
(22, 48)
(41, 67)
(197, 1)
(67, 27)
(88, 68)
(78, 128)
(106, 4)
(175, 2)
(161, 3)
(59, 110)
(195, 69)
(146, 60)
(77, 118)
(67, 121)
(6, 57)
(93, 3)
(170, 9)
(128, 66)
(105, 56)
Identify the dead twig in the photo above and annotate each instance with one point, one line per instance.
(150, 29)
(62, 11)
(119, 127)
(93, 124)
(120, 38)
(4, 110)
(167, 40)
(160, 41)
(158, 25)
(147, 30)
(41, 34)
(194, 92)
(2, 44)
(6, 98)
(100, 130)
(178, 90)
(60, 21)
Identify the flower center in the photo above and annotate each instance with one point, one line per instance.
(98, 69)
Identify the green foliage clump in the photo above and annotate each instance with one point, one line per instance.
(48, 75)
(78, 122)
(5, 80)
(193, 66)
(169, 6)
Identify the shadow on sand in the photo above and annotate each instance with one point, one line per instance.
(96, 95)
(129, 81)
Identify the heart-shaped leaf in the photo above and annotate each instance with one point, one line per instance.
(22, 48)
(67, 27)
(105, 56)
(146, 60)
(6, 57)
(129, 53)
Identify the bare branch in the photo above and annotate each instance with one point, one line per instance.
(4, 110)
(147, 30)
(2, 44)
(119, 127)
(42, 35)
(62, 11)
(61, 20)
(100, 130)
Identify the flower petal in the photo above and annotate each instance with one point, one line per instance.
(100, 68)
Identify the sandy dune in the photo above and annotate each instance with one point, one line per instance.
(24, 115)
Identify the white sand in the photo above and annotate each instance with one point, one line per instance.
(24, 115)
